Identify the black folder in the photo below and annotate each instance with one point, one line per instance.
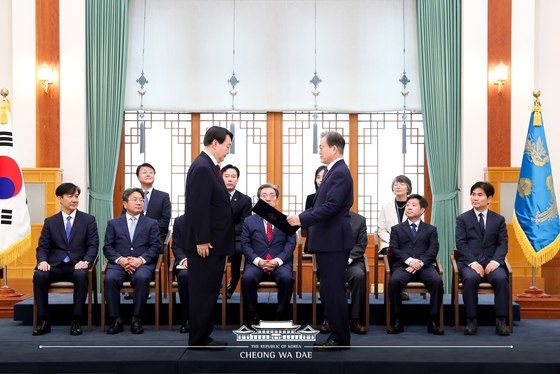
(277, 218)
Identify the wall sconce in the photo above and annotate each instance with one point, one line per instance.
(500, 75)
(46, 76)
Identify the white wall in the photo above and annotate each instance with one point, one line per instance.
(6, 44)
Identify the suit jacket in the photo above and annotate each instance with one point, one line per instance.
(387, 219)
(146, 242)
(178, 243)
(328, 221)
(309, 201)
(241, 206)
(159, 208)
(359, 232)
(254, 244)
(209, 218)
(83, 245)
(403, 245)
(472, 246)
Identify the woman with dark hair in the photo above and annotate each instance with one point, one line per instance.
(319, 173)
(392, 212)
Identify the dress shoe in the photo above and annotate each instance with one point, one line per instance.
(501, 327)
(115, 326)
(325, 328)
(396, 328)
(330, 345)
(405, 296)
(357, 327)
(42, 328)
(75, 328)
(136, 326)
(434, 328)
(210, 345)
(471, 327)
(128, 296)
(184, 328)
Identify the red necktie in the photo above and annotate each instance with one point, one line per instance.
(268, 232)
(218, 169)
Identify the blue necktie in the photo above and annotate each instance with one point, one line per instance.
(68, 230)
(413, 228)
(146, 201)
(132, 227)
(481, 223)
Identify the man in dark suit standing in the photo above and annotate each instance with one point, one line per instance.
(68, 244)
(209, 235)
(330, 237)
(482, 243)
(269, 255)
(414, 247)
(180, 269)
(132, 246)
(241, 207)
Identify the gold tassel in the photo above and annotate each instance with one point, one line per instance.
(16, 250)
(535, 258)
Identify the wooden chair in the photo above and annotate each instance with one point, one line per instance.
(68, 288)
(316, 286)
(411, 288)
(166, 259)
(376, 257)
(302, 258)
(485, 288)
(154, 286)
(270, 286)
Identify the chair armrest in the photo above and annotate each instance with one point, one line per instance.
(104, 269)
(314, 263)
(242, 269)
(454, 266)
(159, 262)
(508, 267)
(93, 265)
(366, 264)
(439, 266)
(168, 239)
(170, 269)
(386, 263)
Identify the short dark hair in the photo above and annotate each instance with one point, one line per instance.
(334, 138)
(403, 179)
(216, 133)
(268, 185)
(423, 202)
(129, 191)
(230, 166)
(67, 189)
(322, 167)
(145, 164)
(485, 186)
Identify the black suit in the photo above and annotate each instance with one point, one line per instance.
(159, 208)
(424, 247)
(182, 275)
(54, 247)
(330, 238)
(356, 271)
(146, 244)
(241, 206)
(208, 220)
(473, 246)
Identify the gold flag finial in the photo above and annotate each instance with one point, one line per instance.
(4, 106)
(537, 109)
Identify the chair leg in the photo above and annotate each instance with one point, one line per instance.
(375, 275)
(240, 303)
(170, 301)
(90, 309)
(456, 309)
(102, 322)
(314, 302)
(294, 307)
(441, 316)
(224, 303)
(157, 302)
(34, 312)
(387, 305)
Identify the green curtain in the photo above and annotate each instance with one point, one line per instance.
(106, 52)
(439, 52)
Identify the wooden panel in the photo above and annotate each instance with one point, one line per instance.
(48, 104)
(195, 135)
(353, 156)
(274, 151)
(499, 105)
(119, 179)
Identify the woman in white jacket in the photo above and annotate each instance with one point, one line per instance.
(392, 213)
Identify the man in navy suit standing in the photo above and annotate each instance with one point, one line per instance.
(330, 237)
(414, 247)
(209, 235)
(269, 254)
(482, 243)
(132, 246)
(68, 244)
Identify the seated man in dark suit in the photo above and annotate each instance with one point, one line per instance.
(132, 245)
(414, 247)
(355, 276)
(181, 269)
(482, 243)
(269, 255)
(67, 246)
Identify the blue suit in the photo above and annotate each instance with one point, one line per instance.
(474, 246)
(255, 245)
(146, 244)
(330, 238)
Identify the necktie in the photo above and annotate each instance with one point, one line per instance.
(413, 229)
(268, 232)
(132, 227)
(146, 201)
(481, 223)
(68, 229)
(217, 167)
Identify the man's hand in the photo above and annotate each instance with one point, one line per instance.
(124, 262)
(44, 266)
(293, 220)
(203, 249)
(263, 264)
(411, 269)
(135, 263)
(478, 268)
(184, 263)
(416, 264)
(81, 265)
(491, 267)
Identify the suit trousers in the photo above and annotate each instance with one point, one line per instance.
(471, 281)
(235, 260)
(183, 285)
(60, 273)
(356, 278)
(282, 275)
(115, 276)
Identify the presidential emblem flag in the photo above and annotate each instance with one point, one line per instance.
(535, 219)
(15, 226)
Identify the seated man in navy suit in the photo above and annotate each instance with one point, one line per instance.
(482, 243)
(414, 247)
(67, 246)
(269, 255)
(180, 269)
(132, 245)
